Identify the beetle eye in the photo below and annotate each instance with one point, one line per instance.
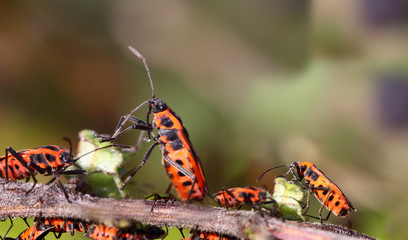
(158, 105)
(65, 157)
(161, 105)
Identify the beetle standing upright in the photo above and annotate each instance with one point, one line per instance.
(178, 155)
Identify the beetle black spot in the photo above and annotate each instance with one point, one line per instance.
(325, 192)
(242, 195)
(170, 175)
(337, 203)
(179, 162)
(17, 166)
(252, 188)
(52, 148)
(165, 121)
(344, 212)
(331, 198)
(180, 174)
(171, 134)
(50, 157)
(187, 183)
(176, 145)
(314, 176)
(37, 158)
(309, 172)
(250, 195)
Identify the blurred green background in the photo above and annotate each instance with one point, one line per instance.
(257, 84)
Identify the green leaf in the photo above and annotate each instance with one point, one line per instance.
(288, 195)
(102, 165)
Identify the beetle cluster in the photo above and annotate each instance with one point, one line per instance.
(183, 168)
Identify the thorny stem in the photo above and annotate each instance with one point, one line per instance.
(49, 201)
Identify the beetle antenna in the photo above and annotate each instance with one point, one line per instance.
(286, 165)
(140, 56)
(70, 144)
(100, 148)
